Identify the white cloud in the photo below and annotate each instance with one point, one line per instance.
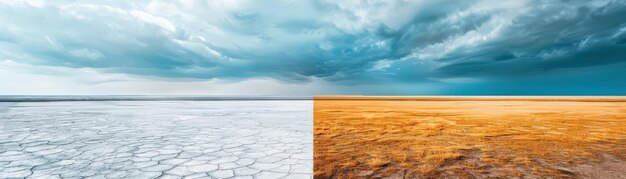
(307, 42)
(36, 3)
(152, 19)
(85, 53)
(40, 80)
(33, 3)
(501, 16)
(382, 65)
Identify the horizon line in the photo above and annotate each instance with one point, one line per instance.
(58, 98)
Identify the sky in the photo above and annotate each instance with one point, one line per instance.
(313, 47)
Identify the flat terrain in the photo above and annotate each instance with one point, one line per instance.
(469, 137)
(156, 139)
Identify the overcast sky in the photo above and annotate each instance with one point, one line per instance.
(285, 47)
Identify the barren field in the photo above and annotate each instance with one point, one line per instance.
(469, 137)
(156, 139)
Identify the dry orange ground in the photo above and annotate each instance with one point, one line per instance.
(469, 137)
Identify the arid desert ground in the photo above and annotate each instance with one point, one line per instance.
(469, 137)
(156, 139)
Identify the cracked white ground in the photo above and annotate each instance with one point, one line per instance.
(157, 139)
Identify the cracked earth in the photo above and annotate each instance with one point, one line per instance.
(156, 139)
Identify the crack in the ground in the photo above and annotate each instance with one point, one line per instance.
(109, 140)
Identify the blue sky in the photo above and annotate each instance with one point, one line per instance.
(281, 47)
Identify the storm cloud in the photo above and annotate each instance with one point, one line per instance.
(475, 47)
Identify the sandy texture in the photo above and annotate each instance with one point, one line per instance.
(469, 138)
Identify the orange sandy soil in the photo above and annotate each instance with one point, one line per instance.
(470, 137)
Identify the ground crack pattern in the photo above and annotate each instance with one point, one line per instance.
(167, 139)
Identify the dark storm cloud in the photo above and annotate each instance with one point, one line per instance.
(345, 42)
(584, 37)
